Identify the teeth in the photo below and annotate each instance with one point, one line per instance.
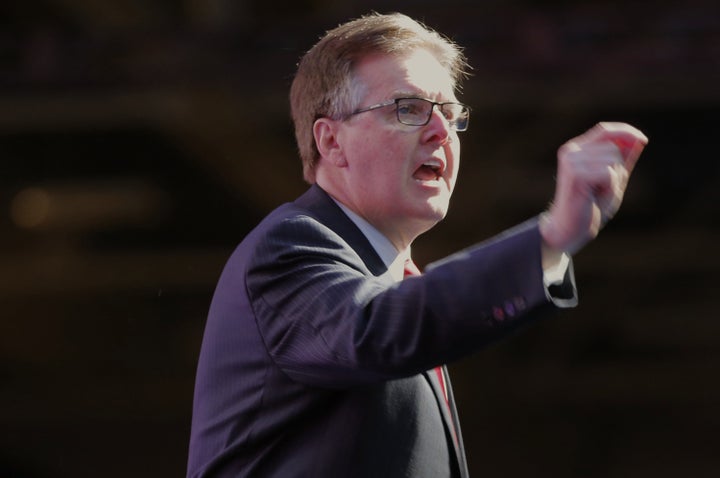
(434, 164)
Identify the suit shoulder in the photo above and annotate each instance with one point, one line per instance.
(293, 223)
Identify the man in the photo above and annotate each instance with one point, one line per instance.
(318, 359)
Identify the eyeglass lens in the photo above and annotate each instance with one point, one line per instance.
(417, 112)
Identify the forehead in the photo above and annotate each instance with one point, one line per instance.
(416, 73)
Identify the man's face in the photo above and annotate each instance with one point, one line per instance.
(399, 177)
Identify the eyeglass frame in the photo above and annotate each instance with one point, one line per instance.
(433, 104)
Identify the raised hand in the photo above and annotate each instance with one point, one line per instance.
(593, 172)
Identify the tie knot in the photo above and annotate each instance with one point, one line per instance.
(411, 269)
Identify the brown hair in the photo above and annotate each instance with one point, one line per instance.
(324, 84)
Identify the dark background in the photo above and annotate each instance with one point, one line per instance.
(140, 140)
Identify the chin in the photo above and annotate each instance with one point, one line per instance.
(434, 215)
(439, 206)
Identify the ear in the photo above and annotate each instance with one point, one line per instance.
(326, 140)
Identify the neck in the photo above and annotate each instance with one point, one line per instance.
(400, 231)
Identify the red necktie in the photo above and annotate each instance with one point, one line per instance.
(412, 270)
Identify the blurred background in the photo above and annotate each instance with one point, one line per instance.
(140, 140)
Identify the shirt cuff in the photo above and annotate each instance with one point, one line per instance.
(559, 283)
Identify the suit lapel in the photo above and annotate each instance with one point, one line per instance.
(321, 206)
(449, 415)
(459, 446)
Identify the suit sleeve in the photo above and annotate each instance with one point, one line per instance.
(326, 321)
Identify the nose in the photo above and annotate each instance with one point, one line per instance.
(437, 129)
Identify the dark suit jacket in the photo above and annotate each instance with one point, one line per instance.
(314, 360)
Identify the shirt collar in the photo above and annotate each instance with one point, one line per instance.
(393, 259)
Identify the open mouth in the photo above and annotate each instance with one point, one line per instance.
(429, 171)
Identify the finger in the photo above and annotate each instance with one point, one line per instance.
(621, 129)
(591, 157)
(607, 129)
(609, 196)
(628, 139)
(598, 173)
(633, 155)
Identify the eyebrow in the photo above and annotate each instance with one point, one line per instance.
(409, 94)
(422, 95)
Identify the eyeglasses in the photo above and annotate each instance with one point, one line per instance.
(418, 111)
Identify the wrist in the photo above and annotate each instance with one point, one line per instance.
(548, 233)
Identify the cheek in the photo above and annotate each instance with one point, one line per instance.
(452, 153)
(385, 155)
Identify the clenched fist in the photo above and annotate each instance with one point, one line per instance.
(593, 172)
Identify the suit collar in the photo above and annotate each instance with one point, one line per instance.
(321, 206)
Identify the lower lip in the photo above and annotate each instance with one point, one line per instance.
(430, 184)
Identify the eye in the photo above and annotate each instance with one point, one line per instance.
(410, 108)
(403, 109)
(451, 112)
